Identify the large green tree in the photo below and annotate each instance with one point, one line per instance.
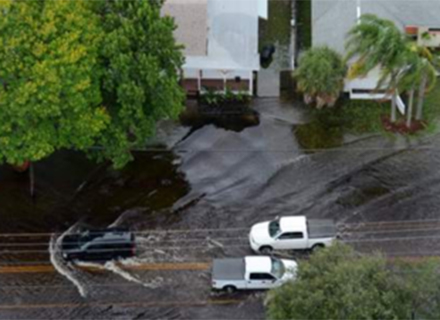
(320, 76)
(94, 76)
(338, 283)
(49, 78)
(140, 85)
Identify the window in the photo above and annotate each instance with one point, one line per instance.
(274, 228)
(370, 91)
(100, 248)
(278, 268)
(291, 235)
(96, 248)
(261, 276)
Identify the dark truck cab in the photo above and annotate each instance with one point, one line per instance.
(99, 245)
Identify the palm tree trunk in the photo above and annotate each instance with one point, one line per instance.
(393, 106)
(421, 96)
(410, 107)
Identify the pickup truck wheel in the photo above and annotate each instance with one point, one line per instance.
(317, 247)
(230, 289)
(266, 250)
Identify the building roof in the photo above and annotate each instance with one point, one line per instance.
(191, 18)
(293, 224)
(218, 34)
(332, 19)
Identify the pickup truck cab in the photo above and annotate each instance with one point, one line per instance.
(259, 272)
(291, 233)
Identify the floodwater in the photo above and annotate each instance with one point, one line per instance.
(192, 197)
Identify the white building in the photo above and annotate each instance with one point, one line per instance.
(221, 41)
(332, 19)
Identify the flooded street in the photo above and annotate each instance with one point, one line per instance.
(192, 197)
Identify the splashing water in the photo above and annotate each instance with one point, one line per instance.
(125, 218)
(112, 266)
(65, 268)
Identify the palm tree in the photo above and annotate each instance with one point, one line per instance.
(411, 79)
(419, 72)
(320, 76)
(429, 78)
(376, 42)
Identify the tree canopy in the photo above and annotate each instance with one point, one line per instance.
(141, 69)
(82, 74)
(50, 78)
(320, 76)
(338, 283)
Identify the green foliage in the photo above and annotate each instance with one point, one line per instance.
(218, 98)
(328, 126)
(426, 36)
(320, 76)
(419, 61)
(419, 285)
(49, 75)
(375, 42)
(378, 42)
(432, 109)
(304, 23)
(140, 83)
(75, 74)
(276, 29)
(338, 283)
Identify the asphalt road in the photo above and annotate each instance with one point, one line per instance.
(160, 283)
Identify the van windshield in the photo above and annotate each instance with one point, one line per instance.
(274, 228)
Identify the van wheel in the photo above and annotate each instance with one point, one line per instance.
(317, 247)
(266, 250)
(230, 289)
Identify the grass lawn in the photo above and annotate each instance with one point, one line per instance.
(277, 27)
(328, 126)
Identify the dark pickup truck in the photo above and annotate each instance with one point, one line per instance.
(99, 245)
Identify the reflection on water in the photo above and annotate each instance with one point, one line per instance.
(69, 188)
(317, 135)
(223, 177)
(358, 197)
(225, 180)
(197, 117)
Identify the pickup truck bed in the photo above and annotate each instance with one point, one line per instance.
(321, 229)
(228, 269)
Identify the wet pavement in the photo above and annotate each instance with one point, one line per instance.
(192, 197)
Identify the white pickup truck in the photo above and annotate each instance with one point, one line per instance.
(291, 233)
(256, 272)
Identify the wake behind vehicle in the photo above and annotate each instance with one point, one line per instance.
(99, 245)
(292, 233)
(256, 272)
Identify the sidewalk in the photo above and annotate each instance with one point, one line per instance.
(268, 82)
